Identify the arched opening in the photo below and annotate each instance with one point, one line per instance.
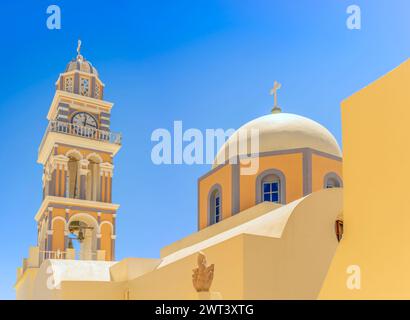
(82, 236)
(332, 180)
(215, 206)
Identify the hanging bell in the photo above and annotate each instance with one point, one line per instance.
(70, 243)
(80, 235)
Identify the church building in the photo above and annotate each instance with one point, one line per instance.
(268, 235)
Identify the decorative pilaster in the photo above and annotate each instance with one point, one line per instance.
(58, 165)
(106, 173)
(113, 237)
(98, 241)
(99, 234)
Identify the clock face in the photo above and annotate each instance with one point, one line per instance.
(84, 119)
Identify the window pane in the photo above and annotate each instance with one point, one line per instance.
(266, 187)
(275, 186)
(217, 201)
(275, 197)
(266, 197)
(217, 210)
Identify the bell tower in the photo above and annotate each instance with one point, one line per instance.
(76, 219)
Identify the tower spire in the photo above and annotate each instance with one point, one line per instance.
(274, 93)
(79, 56)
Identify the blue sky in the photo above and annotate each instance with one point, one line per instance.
(208, 63)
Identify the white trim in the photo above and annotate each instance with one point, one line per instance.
(59, 218)
(74, 151)
(55, 137)
(74, 202)
(93, 154)
(73, 98)
(81, 214)
(106, 222)
(63, 108)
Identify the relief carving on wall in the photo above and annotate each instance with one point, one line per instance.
(203, 275)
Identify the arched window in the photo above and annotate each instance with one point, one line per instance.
(270, 186)
(215, 205)
(332, 180)
(68, 85)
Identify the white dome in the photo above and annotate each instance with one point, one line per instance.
(282, 131)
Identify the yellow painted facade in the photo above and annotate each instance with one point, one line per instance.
(260, 249)
(303, 170)
(376, 219)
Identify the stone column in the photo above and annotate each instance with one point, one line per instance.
(66, 231)
(83, 177)
(99, 231)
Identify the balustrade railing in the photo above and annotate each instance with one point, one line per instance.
(44, 255)
(87, 255)
(86, 132)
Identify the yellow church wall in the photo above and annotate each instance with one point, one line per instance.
(58, 212)
(376, 172)
(295, 265)
(106, 241)
(221, 176)
(25, 285)
(92, 290)
(174, 281)
(289, 164)
(321, 166)
(106, 217)
(224, 225)
(58, 235)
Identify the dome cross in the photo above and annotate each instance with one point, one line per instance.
(78, 46)
(274, 93)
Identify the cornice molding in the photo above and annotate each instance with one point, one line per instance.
(50, 200)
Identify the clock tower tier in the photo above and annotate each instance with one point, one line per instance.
(76, 219)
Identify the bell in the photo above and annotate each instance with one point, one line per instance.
(80, 235)
(70, 243)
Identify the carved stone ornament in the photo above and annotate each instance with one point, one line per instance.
(203, 275)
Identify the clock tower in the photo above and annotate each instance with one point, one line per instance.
(76, 219)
